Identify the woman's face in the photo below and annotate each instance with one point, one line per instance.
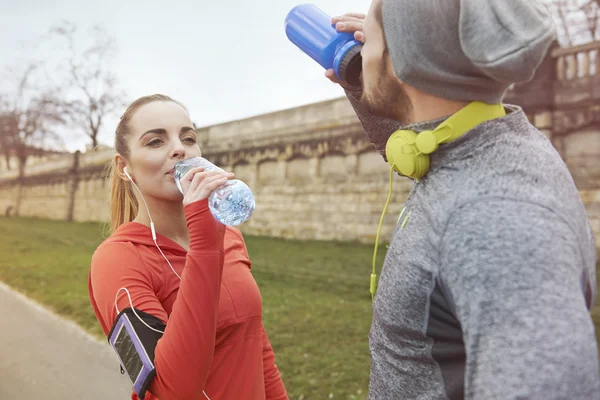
(161, 134)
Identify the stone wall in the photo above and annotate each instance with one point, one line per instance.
(318, 180)
(581, 152)
(312, 171)
(314, 176)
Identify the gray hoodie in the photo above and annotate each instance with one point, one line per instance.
(485, 291)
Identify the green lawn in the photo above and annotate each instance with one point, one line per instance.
(317, 308)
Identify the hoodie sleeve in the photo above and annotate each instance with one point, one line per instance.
(274, 388)
(182, 365)
(514, 273)
(378, 129)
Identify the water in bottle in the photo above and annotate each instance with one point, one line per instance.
(231, 204)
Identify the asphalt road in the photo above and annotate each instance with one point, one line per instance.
(45, 357)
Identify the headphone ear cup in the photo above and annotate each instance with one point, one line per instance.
(421, 166)
(402, 153)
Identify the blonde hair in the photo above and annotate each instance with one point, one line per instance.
(123, 203)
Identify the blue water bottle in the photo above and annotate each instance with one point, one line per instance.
(311, 30)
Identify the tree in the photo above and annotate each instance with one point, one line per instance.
(93, 94)
(28, 121)
(578, 21)
(592, 14)
(5, 132)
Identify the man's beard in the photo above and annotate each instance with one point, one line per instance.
(387, 98)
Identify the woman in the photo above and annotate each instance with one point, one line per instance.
(194, 276)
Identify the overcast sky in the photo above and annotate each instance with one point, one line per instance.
(224, 60)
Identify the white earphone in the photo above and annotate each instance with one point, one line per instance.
(147, 209)
(151, 222)
(127, 174)
(156, 244)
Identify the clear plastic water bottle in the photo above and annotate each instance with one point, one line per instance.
(231, 204)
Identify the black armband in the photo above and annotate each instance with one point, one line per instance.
(134, 339)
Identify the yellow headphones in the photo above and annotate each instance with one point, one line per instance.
(408, 152)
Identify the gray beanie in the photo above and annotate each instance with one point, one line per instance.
(466, 49)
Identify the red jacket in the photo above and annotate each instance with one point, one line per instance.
(215, 340)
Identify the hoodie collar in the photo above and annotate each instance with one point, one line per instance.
(137, 233)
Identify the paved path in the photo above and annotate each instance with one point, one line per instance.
(45, 357)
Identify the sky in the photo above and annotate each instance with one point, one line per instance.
(224, 60)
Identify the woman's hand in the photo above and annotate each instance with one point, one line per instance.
(198, 184)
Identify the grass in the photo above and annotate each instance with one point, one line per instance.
(317, 308)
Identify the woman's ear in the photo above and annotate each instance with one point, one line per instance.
(121, 168)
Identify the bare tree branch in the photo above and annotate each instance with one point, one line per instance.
(94, 95)
(592, 12)
(5, 132)
(578, 21)
(27, 122)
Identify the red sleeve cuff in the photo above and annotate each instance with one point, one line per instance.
(206, 233)
(197, 207)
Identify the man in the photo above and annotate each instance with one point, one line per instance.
(486, 289)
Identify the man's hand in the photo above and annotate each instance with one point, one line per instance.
(350, 23)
